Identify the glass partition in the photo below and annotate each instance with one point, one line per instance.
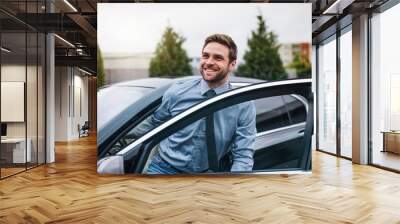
(41, 79)
(32, 86)
(346, 94)
(327, 96)
(14, 153)
(385, 88)
(22, 88)
(31, 99)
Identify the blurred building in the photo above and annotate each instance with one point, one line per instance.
(122, 67)
(195, 63)
(287, 52)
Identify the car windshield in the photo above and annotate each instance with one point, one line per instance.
(114, 99)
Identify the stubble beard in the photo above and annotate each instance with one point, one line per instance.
(220, 76)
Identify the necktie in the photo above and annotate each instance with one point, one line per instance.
(211, 149)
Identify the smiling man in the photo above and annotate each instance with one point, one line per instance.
(218, 59)
(200, 146)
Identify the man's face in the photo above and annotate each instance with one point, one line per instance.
(214, 63)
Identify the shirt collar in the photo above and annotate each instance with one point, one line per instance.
(220, 89)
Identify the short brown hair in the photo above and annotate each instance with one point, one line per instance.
(224, 40)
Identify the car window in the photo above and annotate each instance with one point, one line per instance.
(296, 108)
(271, 113)
(113, 100)
(133, 133)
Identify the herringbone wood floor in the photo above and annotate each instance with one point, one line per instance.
(70, 191)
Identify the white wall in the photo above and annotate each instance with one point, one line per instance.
(12, 73)
(79, 117)
(70, 84)
(33, 125)
(61, 103)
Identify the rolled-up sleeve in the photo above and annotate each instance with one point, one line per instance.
(245, 135)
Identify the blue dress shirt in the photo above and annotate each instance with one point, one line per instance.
(186, 149)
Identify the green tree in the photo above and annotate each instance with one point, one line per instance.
(100, 69)
(262, 60)
(301, 65)
(170, 58)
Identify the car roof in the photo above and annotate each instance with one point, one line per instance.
(148, 82)
(158, 82)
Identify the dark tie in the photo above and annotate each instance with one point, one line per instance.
(211, 149)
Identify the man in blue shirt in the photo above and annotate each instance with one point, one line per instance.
(185, 151)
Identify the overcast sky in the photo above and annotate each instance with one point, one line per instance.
(137, 28)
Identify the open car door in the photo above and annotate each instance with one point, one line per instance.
(284, 148)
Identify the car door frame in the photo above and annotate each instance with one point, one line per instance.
(301, 87)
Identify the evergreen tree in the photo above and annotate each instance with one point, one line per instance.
(170, 58)
(262, 60)
(301, 65)
(100, 69)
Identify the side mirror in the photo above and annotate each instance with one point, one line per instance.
(111, 165)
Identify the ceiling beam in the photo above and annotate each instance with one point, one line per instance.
(84, 24)
(81, 61)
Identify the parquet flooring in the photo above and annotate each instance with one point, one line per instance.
(70, 191)
(10, 171)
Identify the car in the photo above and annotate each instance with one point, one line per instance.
(284, 122)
